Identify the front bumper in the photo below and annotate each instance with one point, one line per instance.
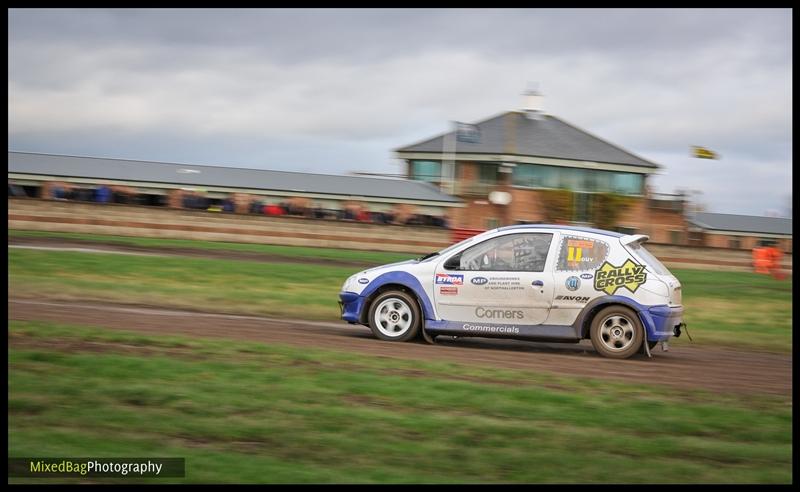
(350, 305)
(662, 322)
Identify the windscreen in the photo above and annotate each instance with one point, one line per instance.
(648, 259)
(448, 249)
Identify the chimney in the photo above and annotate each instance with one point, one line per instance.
(533, 104)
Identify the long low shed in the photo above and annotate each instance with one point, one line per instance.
(160, 178)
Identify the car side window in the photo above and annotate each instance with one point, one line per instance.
(578, 253)
(509, 253)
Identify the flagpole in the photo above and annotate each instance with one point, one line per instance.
(448, 159)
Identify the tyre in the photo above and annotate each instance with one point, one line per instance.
(394, 316)
(617, 332)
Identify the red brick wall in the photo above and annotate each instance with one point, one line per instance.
(745, 242)
(525, 205)
(476, 214)
(466, 172)
(656, 223)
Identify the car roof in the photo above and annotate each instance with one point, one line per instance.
(523, 227)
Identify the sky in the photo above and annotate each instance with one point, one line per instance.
(335, 91)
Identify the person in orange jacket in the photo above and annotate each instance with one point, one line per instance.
(760, 259)
(775, 256)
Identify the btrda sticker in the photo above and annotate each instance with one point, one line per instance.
(609, 278)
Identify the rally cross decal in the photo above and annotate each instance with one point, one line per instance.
(609, 278)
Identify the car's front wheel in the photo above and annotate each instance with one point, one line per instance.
(394, 316)
(617, 332)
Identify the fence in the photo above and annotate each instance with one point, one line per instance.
(133, 220)
(144, 221)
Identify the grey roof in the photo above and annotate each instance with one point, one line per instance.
(742, 223)
(229, 177)
(513, 133)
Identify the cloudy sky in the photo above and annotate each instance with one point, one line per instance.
(335, 90)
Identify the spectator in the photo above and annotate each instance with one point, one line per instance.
(102, 194)
(59, 193)
(760, 260)
(274, 209)
(16, 190)
(774, 257)
(317, 212)
(187, 200)
(84, 194)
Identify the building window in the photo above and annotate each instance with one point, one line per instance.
(627, 183)
(675, 237)
(577, 179)
(601, 181)
(535, 176)
(492, 223)
(735, 243)
(487, 173)
(426, 170)
(527, 175)
(696, 238)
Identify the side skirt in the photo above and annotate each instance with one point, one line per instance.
(551, 333)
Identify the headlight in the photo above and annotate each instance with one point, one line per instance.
(348, 284)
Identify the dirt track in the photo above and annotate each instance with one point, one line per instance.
(718, 370)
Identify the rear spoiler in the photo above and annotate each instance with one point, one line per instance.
(634, 238)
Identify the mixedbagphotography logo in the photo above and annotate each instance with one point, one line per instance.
(96, 467)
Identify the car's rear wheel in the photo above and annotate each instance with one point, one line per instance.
(617, 332)
(394, 316)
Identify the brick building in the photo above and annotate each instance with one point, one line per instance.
(520, 166)
(739, 231)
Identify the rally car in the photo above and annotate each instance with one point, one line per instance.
(528, 282)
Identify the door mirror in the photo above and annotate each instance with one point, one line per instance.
(453, 263)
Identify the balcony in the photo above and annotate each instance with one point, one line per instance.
(473, 189)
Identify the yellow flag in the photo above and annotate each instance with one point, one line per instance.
(703, 153)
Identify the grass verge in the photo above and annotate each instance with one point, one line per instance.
(249, 412)
(373, 257)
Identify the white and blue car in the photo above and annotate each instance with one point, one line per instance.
(527, 282)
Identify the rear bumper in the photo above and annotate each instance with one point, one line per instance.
(662, 322)
(350, 305)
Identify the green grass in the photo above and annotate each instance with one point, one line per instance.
(738, 309)
(722, 308)
(274, 289)
(249, 412)
(371, 257)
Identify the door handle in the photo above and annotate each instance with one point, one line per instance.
(538, 283)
